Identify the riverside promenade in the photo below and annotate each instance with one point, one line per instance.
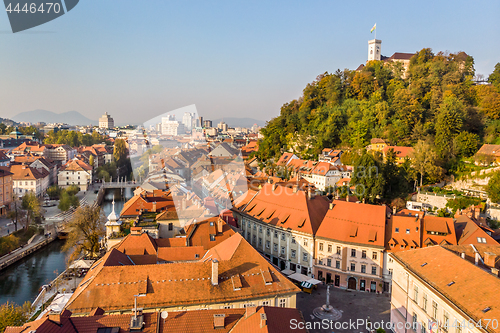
(53, 222)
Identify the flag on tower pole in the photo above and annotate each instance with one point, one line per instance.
(374, 27)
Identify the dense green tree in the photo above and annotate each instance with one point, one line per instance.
(74, 139)
(14, 315)
(120, 152)
(68, 199)
(53, 192)
(368, 179)
(31, 204)
(494, 77)
(86, 229)
(425, 161)
(465, 144)
(448, 125)
(493, 187)
(434, 101)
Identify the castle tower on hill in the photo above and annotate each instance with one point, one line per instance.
(374, 49)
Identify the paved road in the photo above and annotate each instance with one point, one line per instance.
(38, 239)
(6, 227)
(52, 214)
(355, 305)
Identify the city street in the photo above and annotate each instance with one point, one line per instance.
(354, 305)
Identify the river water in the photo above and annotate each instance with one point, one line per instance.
(22, 281)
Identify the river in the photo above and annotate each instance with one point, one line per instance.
(22, 281)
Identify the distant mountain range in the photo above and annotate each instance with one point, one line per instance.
(238, 122)
(70, 117)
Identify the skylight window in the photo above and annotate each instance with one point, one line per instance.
(423, 264)
(451, 283)
(486, 309)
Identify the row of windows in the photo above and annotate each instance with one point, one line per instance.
(353, 251)
(434, 310)
(293, 253)
(268, 232)
(281, 302)
(353, 266)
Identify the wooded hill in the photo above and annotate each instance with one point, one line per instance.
(436, 102)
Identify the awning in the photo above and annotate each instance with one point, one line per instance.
(287, 272)
(313, 281)
(306, 284)
(81, 264)
(299, 277)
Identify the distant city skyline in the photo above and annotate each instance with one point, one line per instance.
(138, 61)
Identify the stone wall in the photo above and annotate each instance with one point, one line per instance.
(435, 200)
(493, 213)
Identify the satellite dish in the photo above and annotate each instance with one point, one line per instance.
(164, 315)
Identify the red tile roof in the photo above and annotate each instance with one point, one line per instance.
(351, 222)
(277, 320)
(280, 206)
(401, 152)
(180, 283)
(473, 290)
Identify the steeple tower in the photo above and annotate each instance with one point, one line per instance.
(374, 49)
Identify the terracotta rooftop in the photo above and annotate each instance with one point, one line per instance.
(180, 283)
(403, 233)
(76, 165)
(281, 206)
(474, 290)
(351, 222)
(24, 172)
(276, 320)
(487, 149)
(400, 151)
(468, 232)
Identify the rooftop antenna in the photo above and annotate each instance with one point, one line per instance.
(164, 316)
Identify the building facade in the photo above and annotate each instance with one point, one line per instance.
(106, 121)
(436, 290)
(280, 222)
(350, 247)
(75, 172)
(5, 190)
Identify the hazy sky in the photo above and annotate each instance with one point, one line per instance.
(136, 59)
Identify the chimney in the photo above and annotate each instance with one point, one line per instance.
(477, 212)
(494, 271)
(295, 188)
(219, 320)
(55, 317)
(250, 310)
(275, 186)
(154, 207)
(220, 225)
(489, 259)
(476, 258)
(331, 205)
(394, 210)
(135, 230)
(263, 320)
(347, 197)
(462, 255)
(310, 194)
(215, 272)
